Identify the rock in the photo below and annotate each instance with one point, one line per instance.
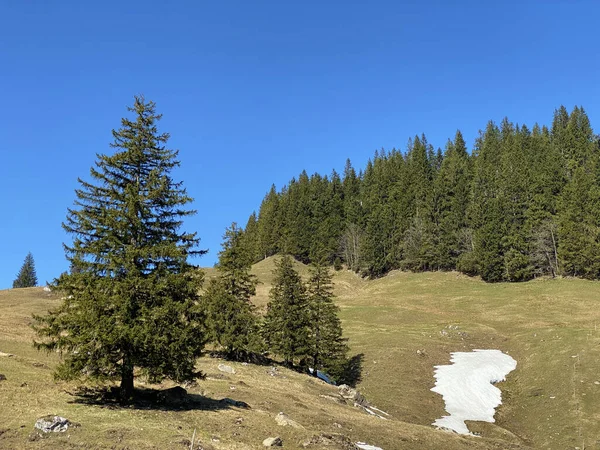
(6, 355)
(53, 424)
(225, 368)
(273, 442)
(352, 395)
(47, 289)
(2, 377)
(284, 420)
(173, 396)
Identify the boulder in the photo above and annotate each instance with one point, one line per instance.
(284, 420)
(225, 368)
(2, 377)
(352, 395)
(53, 424)
(273, 442)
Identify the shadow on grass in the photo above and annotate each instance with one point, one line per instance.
(173, 399)
(351, 373)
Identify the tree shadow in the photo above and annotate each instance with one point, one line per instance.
(351, 370)
(172, 399)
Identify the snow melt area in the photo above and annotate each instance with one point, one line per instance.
(364, 446)
(467, 389)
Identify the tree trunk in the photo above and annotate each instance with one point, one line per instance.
(126, 389)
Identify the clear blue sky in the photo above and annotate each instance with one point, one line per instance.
(254, 92)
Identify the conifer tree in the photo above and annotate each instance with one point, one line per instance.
(250, 240)
(486, 209)
(579, 202)
(268, 233)
(26, 276)
(230, 315)
(418, 244)
(452, 188)
(130, 306)
(287, 322)
(328, 347)
(351, 195)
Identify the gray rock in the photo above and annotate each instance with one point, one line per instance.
(225, 368)
(53, 424)
(2, 377)
(284, 420)
(273, 442)
(352, 395)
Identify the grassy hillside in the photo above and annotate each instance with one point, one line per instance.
(550, 400)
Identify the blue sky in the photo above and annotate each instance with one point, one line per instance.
(254, 92)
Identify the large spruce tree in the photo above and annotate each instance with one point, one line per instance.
(26, 276)
(130, 302)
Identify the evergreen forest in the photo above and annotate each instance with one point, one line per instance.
(522, 203)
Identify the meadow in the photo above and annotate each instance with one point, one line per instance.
(402, 325)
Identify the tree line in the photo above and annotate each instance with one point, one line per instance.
(523, 203)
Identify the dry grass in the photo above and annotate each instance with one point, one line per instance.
(550, 400)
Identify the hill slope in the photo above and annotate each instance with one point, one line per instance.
(548, 326)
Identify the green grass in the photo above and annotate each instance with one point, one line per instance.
(550, 401)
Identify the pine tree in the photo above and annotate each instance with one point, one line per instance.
(418, 243)
(579, 202)
(328, 347)
(230, 315)
(452, 194)
(351, 195)
(287, 323)
(131, 304)
(268, 227)
(486, 210)
(26, 276)
(251, 237)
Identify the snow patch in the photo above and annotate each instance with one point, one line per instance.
(364, 446)
(467, 389)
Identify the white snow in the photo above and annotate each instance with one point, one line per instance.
(367, 446)
(467, 389)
